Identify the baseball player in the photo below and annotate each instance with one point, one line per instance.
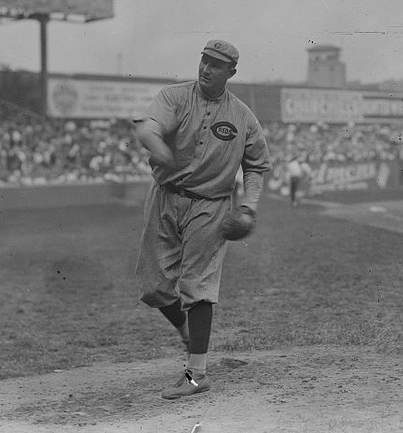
(198, 134)
(296, 170)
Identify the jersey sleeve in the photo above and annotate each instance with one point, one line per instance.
(256, 156)
(163, 110)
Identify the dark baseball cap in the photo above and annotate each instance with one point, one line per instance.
(221, 50)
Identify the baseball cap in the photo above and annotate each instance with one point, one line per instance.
(221, 50)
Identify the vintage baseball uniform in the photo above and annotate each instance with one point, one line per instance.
(181, 251)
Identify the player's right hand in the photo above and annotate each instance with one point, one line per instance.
(163, 156)
(150, 136)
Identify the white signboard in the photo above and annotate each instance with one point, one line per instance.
(98, 99)
(338, 106)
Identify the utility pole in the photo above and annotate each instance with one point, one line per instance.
(43, 22)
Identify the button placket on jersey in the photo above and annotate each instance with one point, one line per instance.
(203, 132)
(210, 112)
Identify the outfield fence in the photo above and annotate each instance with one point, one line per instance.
(72, 195)
(334, 176)
(328, 177)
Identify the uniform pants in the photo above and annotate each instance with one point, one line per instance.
(294, 184)
(182, 250)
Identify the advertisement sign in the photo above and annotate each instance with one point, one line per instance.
(90, 9)
(340, 176)
(96, 99)
(368, 175)
(339, 106)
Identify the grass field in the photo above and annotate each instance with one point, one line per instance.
(68, 295)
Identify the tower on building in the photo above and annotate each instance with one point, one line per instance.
(325, 68)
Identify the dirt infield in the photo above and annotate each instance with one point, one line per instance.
(307, 336)
(384, 211)
(387, 215)
(316, 389)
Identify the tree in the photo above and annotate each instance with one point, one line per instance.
(20, 87)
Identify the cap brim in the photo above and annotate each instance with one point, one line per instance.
(217, 56)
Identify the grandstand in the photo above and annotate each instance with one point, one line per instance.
(351, 137)
(43, 12)
(36, 150)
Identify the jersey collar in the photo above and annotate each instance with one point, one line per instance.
(204, 96)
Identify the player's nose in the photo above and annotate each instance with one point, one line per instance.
(206, 69)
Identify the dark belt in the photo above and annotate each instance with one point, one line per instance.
(182, 192)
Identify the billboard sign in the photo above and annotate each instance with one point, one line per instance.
(88, 9)
(340, 106)
(333, 176)
(365, 175)
(98, 99)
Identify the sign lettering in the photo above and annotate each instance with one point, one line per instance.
(339, 106)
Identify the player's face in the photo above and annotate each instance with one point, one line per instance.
(213, 74)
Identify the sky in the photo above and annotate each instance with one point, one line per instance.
(164, 38)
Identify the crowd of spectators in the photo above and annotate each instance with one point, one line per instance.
(35, 150)
(334, 142)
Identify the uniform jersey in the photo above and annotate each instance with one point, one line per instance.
(297, 169)
(210, 139)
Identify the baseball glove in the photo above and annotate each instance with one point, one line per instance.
(239, 223)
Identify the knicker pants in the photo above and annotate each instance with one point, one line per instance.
(182, 251)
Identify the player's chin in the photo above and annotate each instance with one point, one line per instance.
(204, 82)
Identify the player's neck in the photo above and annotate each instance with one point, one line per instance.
(212, 93)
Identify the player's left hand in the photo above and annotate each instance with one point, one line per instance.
(239, 223)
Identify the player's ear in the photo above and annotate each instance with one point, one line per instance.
(232, 72)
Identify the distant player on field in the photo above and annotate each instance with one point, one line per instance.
(296, 170)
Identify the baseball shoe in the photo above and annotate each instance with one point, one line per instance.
(188, 384)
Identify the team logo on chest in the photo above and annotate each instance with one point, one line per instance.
(224, 131)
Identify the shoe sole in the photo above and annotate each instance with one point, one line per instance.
(175, 397)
